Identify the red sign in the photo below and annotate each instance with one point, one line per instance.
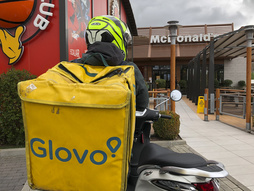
(37, 34)
(27, 38)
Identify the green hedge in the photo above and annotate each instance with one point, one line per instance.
(167, 129)
(11, 122)
(241, 84)
(227, 83)
(161, 83)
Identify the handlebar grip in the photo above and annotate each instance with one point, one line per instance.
(165, 116)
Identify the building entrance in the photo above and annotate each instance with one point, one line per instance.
(161, 75)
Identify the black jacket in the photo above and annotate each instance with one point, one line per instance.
(114, 57)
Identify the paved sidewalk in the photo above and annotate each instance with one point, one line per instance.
(217, 141)
(12, 169)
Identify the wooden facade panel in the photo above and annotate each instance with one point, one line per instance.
(140, 51)
(160, 51)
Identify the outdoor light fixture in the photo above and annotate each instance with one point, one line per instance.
(249, 34)
(172, 27)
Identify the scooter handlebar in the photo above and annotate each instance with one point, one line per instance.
(165, 116)
(149, 114)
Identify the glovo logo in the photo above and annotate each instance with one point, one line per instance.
(15, 18)
(40, 149)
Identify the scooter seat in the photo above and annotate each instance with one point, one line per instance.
(157, 155)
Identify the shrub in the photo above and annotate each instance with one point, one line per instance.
(241, 83)
(11, 122)
(183, 84)
(216, 83)
(228, 83)
(167, 129)
(161, 83)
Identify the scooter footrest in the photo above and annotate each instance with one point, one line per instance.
(144, 167)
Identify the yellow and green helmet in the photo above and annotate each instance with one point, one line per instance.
(110, 29)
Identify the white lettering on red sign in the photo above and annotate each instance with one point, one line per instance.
(40, 21)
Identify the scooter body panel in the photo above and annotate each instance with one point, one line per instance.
(149, 176)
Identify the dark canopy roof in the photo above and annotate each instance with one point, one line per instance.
(238, 43)
(130, 17)
(232, 44)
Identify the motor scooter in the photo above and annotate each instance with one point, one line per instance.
(154, 168)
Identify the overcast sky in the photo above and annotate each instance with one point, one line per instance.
(193, 12)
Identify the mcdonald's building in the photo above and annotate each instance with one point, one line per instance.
(205, 56)
(151, 52)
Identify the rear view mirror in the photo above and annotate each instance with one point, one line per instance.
(176, 95)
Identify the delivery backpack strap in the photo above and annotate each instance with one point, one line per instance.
(84, 60)
(93, 55)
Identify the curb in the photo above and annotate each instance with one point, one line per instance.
(27, 188)
(236, 182)
(170, 143)
(12, 152)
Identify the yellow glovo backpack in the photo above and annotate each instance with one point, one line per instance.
(79, 123)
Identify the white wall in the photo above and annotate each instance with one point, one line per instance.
(235, 70)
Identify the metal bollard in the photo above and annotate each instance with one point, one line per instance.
(206, 105)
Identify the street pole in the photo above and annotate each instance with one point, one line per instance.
(172, 26)
(172, 74)
(249, 37)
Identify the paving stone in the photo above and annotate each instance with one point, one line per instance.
(13, 172)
